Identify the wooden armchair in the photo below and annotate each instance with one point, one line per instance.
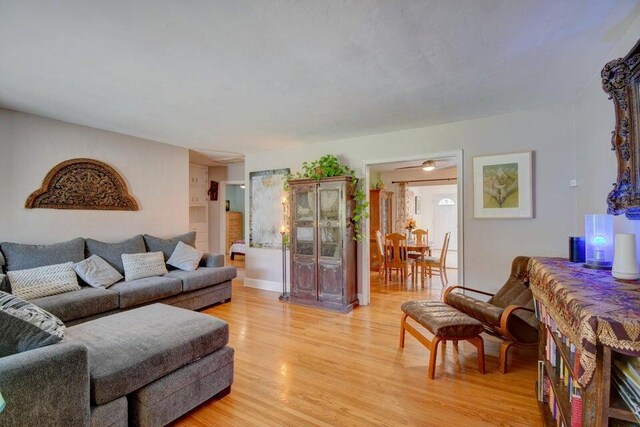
(508, 314)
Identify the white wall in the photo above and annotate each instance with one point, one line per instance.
(157, 176)
(596, 165)
(489, 245)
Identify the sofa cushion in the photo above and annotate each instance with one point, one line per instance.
(185, 257)
(167, 246)
(203, 277)
(19, 256)
(112, 252)
(26, 326)
(145, 290)
(130, 350)
(97, 272)
(40, 282)
(78, 304)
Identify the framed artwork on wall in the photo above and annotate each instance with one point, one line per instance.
(503, 186)
(417, 209)
(266, 210)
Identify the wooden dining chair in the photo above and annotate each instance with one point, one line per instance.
(382, 269)
(422, 238)
(439, 263)
(396, 256)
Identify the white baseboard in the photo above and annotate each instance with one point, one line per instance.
(265, 285)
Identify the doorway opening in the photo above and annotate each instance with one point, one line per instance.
(232, 214)
(407, 196)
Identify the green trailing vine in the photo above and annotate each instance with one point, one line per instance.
(328, 166)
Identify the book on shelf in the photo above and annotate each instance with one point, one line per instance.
(626, 380)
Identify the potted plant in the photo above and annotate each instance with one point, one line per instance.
(329, 166)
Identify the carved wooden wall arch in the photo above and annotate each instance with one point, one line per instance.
(83, 184)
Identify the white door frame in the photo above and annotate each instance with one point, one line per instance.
(222, 196)
(365, 259)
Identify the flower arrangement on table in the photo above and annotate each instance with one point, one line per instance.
(410, 224)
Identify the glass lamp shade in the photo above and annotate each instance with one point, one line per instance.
(598, 229)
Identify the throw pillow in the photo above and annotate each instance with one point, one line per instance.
(112, 252)
(139, 266)
(20, 257)
(185, 257)
(97, 272)
(43, 281)
(167, 246)
(4, 283)
(25, 326)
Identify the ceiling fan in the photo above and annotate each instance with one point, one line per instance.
(427, 165)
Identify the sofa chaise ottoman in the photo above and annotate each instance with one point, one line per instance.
(145, 367)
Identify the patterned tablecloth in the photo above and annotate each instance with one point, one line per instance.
(590, 307)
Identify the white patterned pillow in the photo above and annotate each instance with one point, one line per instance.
(25, 326)
(139, 266)
(41, 282)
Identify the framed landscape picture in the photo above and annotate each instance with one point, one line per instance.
(503, 186)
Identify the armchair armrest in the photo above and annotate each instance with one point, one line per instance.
(46, 386)
(464, 288)
(506, 320)
(212, 260)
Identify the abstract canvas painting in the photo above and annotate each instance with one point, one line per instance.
(503, 186)
(266, 214)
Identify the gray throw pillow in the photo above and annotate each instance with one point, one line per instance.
(185, 257)
(4, 283)
(2, 261)
(167, 246)
(97, 272)
(20, 257)
(112, 252)
(39, 282)
(139, 266)
(25, 326)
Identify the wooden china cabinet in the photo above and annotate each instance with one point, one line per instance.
(380, 219)
(323, 251)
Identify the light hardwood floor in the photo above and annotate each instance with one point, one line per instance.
(299, 366)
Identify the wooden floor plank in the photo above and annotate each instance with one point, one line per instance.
(302, 366)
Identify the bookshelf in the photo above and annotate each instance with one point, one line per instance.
(601, 403)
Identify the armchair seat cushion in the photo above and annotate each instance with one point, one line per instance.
(442, 320)
(483, 311)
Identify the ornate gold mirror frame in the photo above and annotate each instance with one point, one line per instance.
(620, 80)
(83, 184)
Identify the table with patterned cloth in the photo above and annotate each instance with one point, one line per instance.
(590, 307)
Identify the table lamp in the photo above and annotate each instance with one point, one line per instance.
(598, 230)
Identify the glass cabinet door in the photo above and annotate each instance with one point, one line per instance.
(329, 222)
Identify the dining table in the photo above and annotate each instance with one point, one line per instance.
(414, 246)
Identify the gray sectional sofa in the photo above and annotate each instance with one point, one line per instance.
(133, 354)
(193, 290)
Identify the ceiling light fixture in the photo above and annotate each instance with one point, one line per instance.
(428, 166)
(242, 186)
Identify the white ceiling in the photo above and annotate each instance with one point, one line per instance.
(245, 76)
